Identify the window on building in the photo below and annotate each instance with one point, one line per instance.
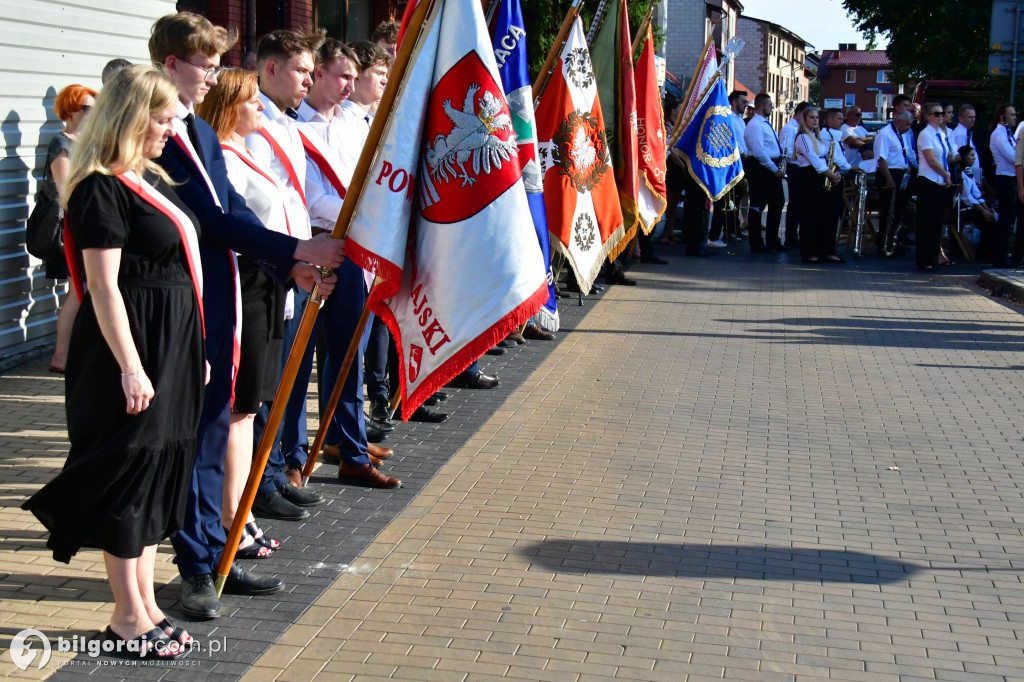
(851, 76)
(850, 100)
(883, 77)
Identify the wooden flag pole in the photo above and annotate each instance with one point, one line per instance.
(298, 349)
(678, 128)
(641, 34)
(332, 402)
(556, 48)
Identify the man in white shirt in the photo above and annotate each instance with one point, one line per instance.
(893, 175)
(855, 138)
(787, 138)
(1003, 145)
(764, 169)
(963, 136)
(285, 65)
(832, 133)
(325, 135)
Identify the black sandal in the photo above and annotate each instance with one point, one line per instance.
(177, 634)
(261, 539)
(155, 643)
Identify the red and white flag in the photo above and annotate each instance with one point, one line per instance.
(580, 195)
(701, 77)
(651, 201)
(443, 218)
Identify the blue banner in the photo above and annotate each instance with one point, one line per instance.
(709, 145)
(510, 52)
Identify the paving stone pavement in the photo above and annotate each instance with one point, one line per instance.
(742, 468)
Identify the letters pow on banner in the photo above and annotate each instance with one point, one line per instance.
(444, 221)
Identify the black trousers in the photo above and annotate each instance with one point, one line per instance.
(695, 233)
(766, 196)
(887, 196)
(816, 239)
(931, 198)
(793, 212)
(1006, 192)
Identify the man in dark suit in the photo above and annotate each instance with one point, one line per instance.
(188, 46)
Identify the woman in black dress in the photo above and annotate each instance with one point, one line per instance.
(135, 368)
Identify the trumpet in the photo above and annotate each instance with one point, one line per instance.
(832, 166)
(862, 199)
(889, 242)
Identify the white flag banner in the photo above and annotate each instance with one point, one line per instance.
(443, 219)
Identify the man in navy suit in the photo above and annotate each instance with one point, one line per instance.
(188, 46)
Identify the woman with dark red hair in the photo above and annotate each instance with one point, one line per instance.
(71, 106)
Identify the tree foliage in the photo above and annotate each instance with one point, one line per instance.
(945, 39)
(543, 18)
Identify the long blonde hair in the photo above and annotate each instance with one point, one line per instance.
(112, 137)
(815, 135)
(220, 106)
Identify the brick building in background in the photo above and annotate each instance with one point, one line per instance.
(851, 77)
(691, 22)
(351, 20)
(773, 61)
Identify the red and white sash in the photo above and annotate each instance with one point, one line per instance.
(319, 155)
(282, 156)
(187, 231)
(262, 173)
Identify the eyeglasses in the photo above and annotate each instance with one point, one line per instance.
(935, 113)
(208, 72)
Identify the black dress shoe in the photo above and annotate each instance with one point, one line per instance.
(508, 343)
(620, 278)
(240, 581)
(596, 288)
(301, 497)
(496, 350)
(381, 416)
(199, 597)
(274, 506)
(374, 435)
(425, 414)
(470, 380)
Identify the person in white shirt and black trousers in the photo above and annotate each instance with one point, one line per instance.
(764, 172)
(933, 183)
(817, 233)
(832, 134)
(1002, 144)
(895, 172)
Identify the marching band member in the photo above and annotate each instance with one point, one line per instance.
(932, 188)
(1003, 145)
(894, 174)
(832, 134)
(855, 139)
(788, 137)
(817, 243)
(764, 171)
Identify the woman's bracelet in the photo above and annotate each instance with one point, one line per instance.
(129, 374)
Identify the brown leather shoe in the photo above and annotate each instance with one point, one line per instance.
(294, 476)
(378, 452)
(366, 475)
(332, 453)
(516, 336)
(534, 332)
(375, 461)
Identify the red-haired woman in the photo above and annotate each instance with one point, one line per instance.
(71, 106)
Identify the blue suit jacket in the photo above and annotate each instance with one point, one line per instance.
(233, 228)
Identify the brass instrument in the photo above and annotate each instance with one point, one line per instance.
(831, 161)
(861, 181)
(889, 243)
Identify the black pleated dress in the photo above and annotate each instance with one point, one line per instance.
(125, 482)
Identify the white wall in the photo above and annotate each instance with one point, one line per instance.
(45, 46)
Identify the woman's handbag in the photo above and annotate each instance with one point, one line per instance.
(44, 229)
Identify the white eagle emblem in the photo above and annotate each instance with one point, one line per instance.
(473, 139)
(582, 152)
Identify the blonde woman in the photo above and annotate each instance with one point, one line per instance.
(817, 242)
(72, 105)
(232, 108)
(135, 373)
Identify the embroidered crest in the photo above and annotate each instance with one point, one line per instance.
(716, 144)
(464, 146)
(579, 68)
(581, 150)
(584, 232)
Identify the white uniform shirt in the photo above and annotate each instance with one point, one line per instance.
(324, 201)
(811, 152)
(1003, 146)
(834, 137)
(852, 154)
(787, 138)
(934, 139)
(910, 140)
(280, 123)
(739, 129)
(763, 143)
(892, 147)
(970, 195)
(960, 138)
